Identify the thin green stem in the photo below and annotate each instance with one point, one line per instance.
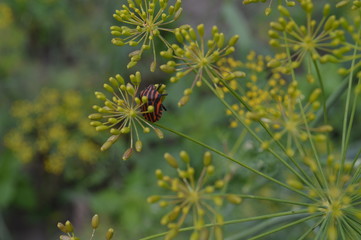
(274, 200)
(254, 229)
(332, 99)
(357, 174)
(345, 136)
(234, 160)
(324, 181)
(266, 216)
(310, 229)
(287, 226)
(322, 230)
(324, 99)
(238, 143)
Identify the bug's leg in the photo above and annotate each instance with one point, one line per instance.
(162, 106)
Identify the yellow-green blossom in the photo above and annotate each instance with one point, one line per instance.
(316, 39)
(122, 113)
(192, 196)
(195, 54)
(51, 119)
(144, 21)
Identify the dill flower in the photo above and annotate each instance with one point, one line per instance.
(316, 40)
(336, 196)
(271, 99)
(290, 116)
(45, 131)
(260, 87)
(198, 55)
(143, 22)
(351, 28)
(122, 114)
(191, 196)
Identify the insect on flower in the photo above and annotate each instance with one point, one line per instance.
(155, 100)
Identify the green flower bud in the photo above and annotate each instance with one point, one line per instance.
(95, 221)
(159, 133)
(138, 146)
(178, 14)
(118, 42)
(267, 11)
(230, 50)
(125, 130)
(153, 199)
(62, 227)
(109, 234)
(219, 184)
(283, 11)
(314, 95)
(220, 41)
(130, 89)
(342, 3)
(232, 198)
(329, 23)
(120, 79)
(159, 174)
(183, 101)
(178, 35)
(184, 156)
(210, 169)
(108, 88)
(95, 116)
(109, 142)
(200, 29)
(101, 128)
(95, 123)
(171, 160)
(127, 154)
(277, 26)
(167, 54)
(326, 9)
(273, 34)
(195, 235)
(100, 96)
(207, 158)
(218, 233)
(177, 5)
(167, 69)
(69, 227)
(131, 64)
(162, 184)
(294, 183)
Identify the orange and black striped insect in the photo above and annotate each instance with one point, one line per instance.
(155, 100)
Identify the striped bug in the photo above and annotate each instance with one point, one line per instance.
(155, 100)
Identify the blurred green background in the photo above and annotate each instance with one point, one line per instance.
(53, 55)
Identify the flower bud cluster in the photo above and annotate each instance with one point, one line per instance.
(195, 54)
(143, 21)
(50, 119)
(122, 113)
(322, 40)
(191, 196)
